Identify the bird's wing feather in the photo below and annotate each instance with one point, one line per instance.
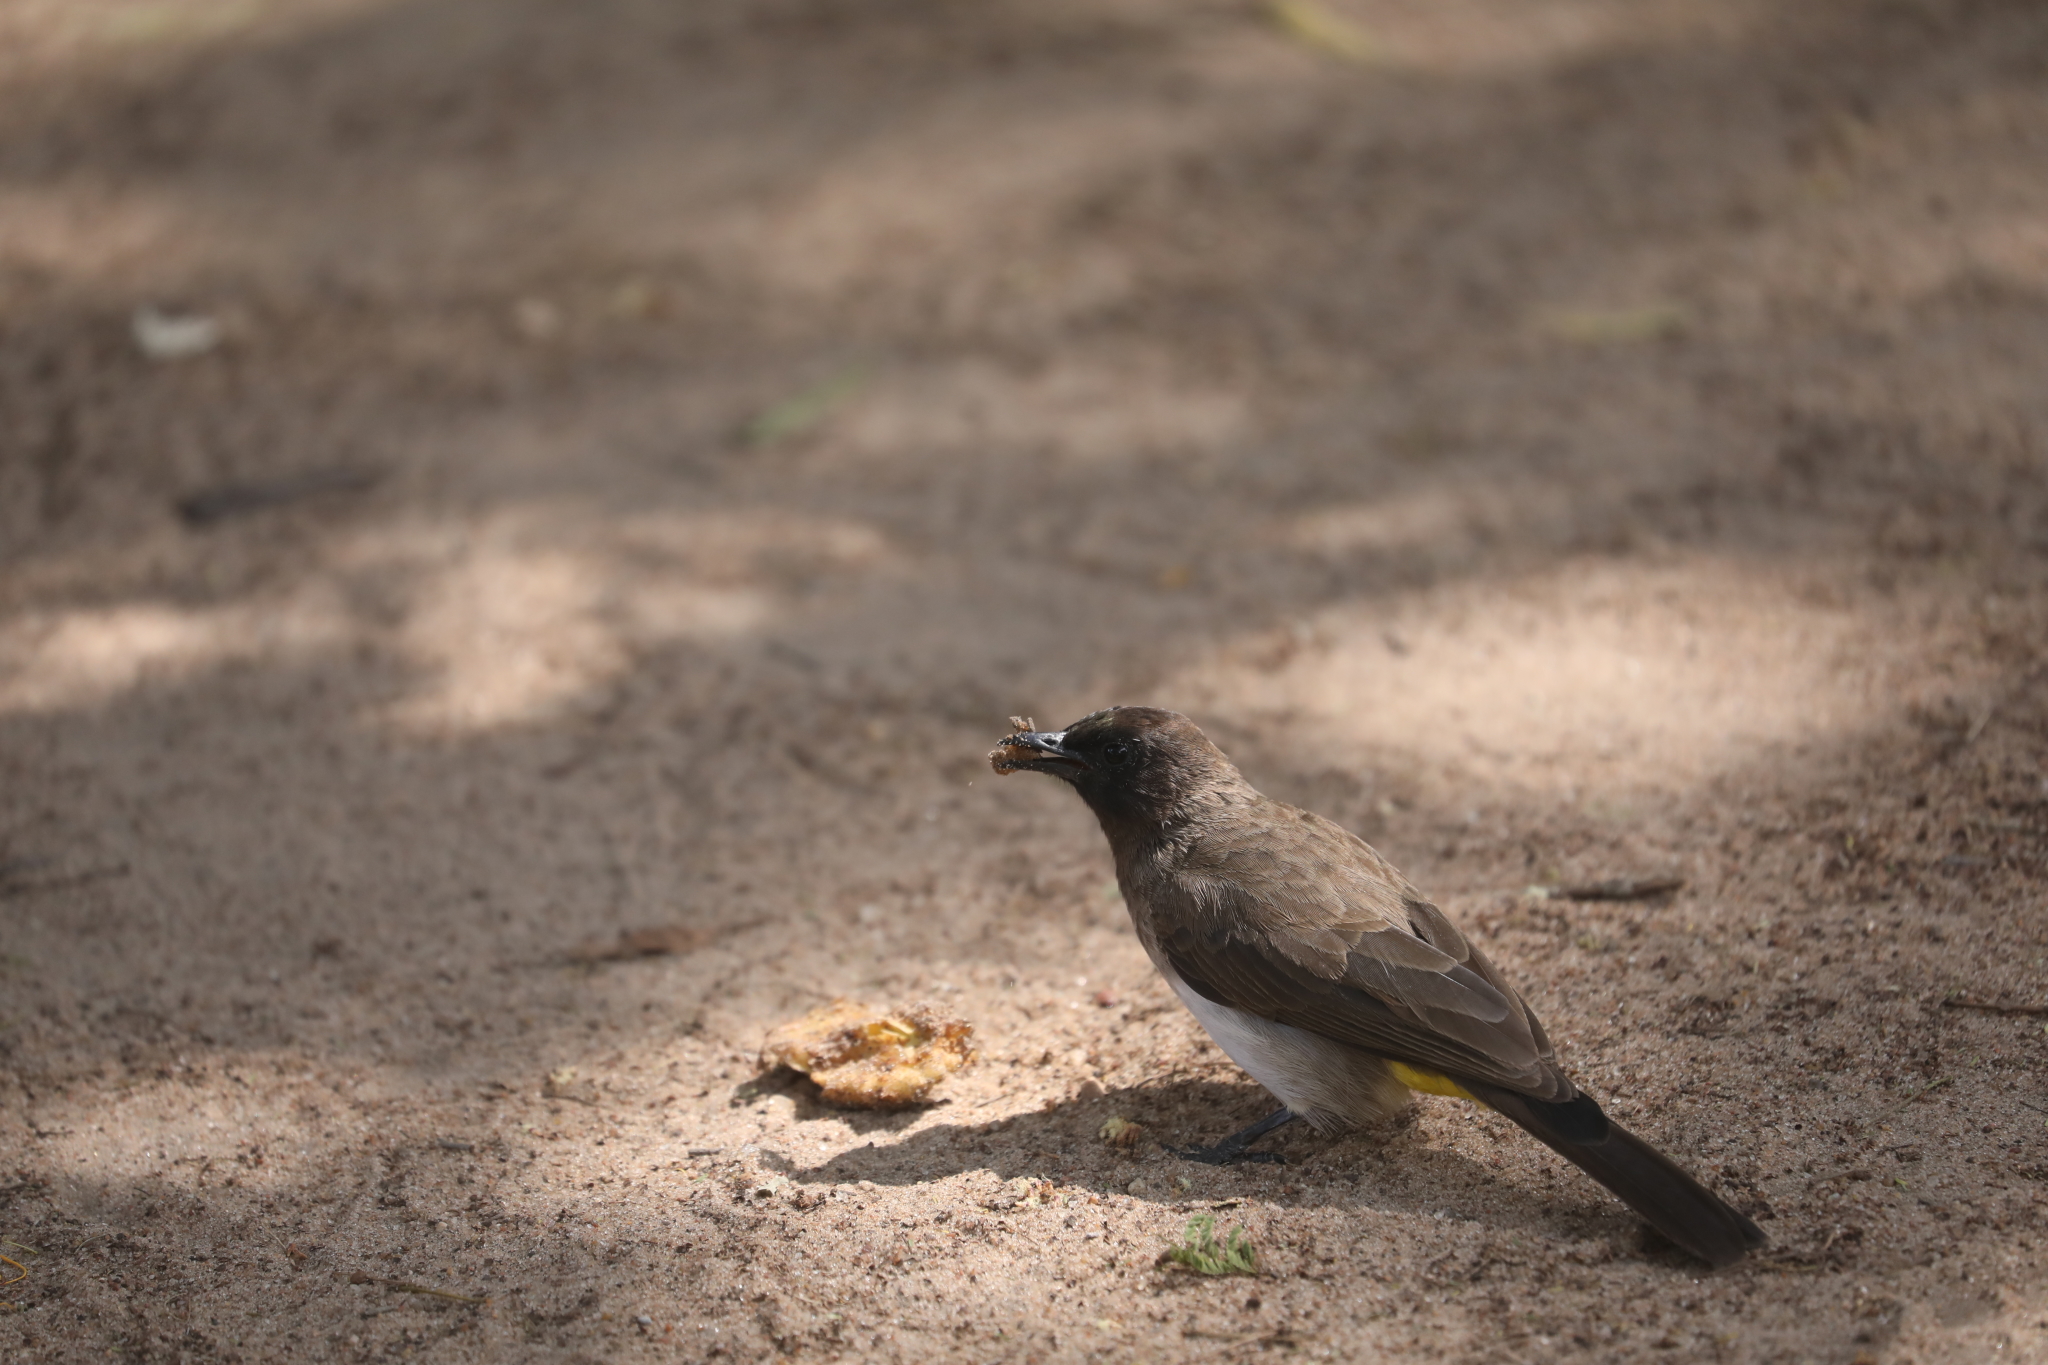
(1333, 942)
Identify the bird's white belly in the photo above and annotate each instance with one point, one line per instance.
(1326, 1083)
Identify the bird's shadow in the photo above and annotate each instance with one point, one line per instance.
(802, 1092)
(1390, 1167)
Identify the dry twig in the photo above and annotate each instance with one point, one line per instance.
(1963, 1002)
(223, 501)
(408, 1287)
(1280, 1337)
(1618, 889)
(1923, 1092)
(658, 941)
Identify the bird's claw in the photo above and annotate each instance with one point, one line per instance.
(1223, 1154)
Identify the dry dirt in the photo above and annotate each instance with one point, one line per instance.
(1562, 439)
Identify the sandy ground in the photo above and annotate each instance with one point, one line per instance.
(648, 450)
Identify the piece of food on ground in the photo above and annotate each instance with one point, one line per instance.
(863, 1058)
(1121, 1132)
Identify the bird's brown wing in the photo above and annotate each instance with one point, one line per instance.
(1327, 938)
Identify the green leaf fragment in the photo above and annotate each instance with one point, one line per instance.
(1202, 1252)
(803, 412)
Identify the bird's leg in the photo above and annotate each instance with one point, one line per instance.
(1232, 1148)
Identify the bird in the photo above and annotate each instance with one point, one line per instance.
(1322, 972)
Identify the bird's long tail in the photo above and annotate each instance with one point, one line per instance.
(1639, 1175)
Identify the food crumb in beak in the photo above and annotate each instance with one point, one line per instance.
(1007, 756)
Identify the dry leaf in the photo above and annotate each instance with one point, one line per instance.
(562, 1084)
(655, 941)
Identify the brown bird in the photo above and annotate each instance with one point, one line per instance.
(1323, 973)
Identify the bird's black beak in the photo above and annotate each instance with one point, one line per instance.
(1028, 750)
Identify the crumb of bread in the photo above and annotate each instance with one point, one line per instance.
(1121, 1132)
(1005, 757)
(863, 1058)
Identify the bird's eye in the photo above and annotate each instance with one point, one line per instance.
(1115, 754)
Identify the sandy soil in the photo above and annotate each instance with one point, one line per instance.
(1562, 439)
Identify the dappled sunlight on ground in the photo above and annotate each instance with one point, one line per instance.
(86, 658)
(1595, 676)
(1561, 440)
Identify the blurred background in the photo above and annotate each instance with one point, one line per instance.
(479, 476)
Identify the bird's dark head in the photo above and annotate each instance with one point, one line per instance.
(1129, 763)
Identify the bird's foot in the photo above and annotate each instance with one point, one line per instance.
(1235, 1148)
(1227, 1153)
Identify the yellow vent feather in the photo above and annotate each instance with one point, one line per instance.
(1429, 1082)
